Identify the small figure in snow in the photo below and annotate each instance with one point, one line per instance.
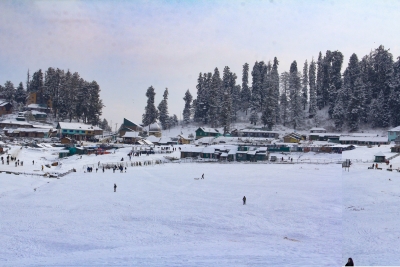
(376, 165)
(244, 200)
(350, 262)
(33, 162)
(96, 170)
(390, 165)
(115, 187)
(42, 167)
(103, 168)
(202, 177)
(22, 163)
(291, 160)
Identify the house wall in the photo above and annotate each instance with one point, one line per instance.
(392, 135)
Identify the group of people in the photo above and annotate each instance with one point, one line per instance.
(8, 158)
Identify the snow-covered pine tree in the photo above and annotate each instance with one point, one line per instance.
(326, 79)
(284, 103)
(304, 94)
(163, 111)
(9, 91)
(173, 121)
(313, 93)
(151, 114)
(335, 78)
(255, 102)
(339, 112)
(236, 104)
(198, 115)
(28, 81)
(296, 111)
(254, 117)
(206, 96)
(213, 100)
(95, 106)
(228, 81)
(275, 89)
(36, 83)
(105, 126)
(268, 113)
(394, 99)
(245, 93)
(187, 109)
(20, 94)
(319, 83)
(355, 108)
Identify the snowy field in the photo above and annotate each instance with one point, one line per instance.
(296, 214)
(161, 216)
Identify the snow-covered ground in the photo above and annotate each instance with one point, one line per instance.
(296, 214)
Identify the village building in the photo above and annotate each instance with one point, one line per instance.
(131, 137)
(154, 129)
(155, 140)
(36, 101)
(363, 139)
(207, 132)
(38, 107)
(293, 138)
(255, 133)
(129, 126)
(184, 140)
(28, 132)
(330, 137)
(13, 123)
(393, 134)
(380, 157)
(317, 130)
(78, 131)
(5, 107)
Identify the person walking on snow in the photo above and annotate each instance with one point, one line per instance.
(202, 177)
(115, 187)
(350, 262)
(244, 200)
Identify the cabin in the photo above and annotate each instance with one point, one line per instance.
(255, 133)
(129, 126)
(5, 107)
(154, 129)
(395, 149)
(207, 132)
(317, 130)
(330, 137)
(293, 138)
(191, 152)
(28, 132)
(66, 140)
(380, 157)
(184, 140)
(131, 137)
(12, 123)
(363, 139)
(78, 131)
(393, 134)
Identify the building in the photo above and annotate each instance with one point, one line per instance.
(331, 137)
(184, 140)
(206, 132)
(293, 138)
(28, 132)
(317, 130)
(12, 123)
(255, 133)
(129, 126)
(36, 98)
(380, 157)
(5, 107)
(78, 131)
(393, 133)
(131, 137)
(155, 129)
(363, 139)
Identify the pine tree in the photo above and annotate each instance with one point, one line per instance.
(245, 93)
(304, 96)
(284, 97)
(20, 94)
(173, 121)
(268, 116)
(296, 111)
(105, 126)
(275, 89)
(356, 105)
(255, 103)
(226, 112)
(200, 101)
(320, 78)
(339, 112)
(163, 110)
(187, 110)
(394, 99)
(214, 101)
(336, 58)
(313, 93)
(151, 114)
(9, 91)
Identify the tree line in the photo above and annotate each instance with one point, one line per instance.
(72, 97)
(367, 93)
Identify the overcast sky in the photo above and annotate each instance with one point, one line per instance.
(127, 46)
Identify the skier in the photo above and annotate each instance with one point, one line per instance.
(350, 262)
(202, 177)
(244, 200)
(115, 187)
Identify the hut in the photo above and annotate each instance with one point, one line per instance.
(380, 157)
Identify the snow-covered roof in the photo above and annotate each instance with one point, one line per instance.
(147, 142)
(192, 149)
(380, 154)
(209, 130)
(326, 134)
(154, 127)
(77, 126)
(396, 129)
(364, 138)
(317, 129)
(208, 150)
(131, 135)
(232, 152)
(15, 122)
(251, 152)
(153, 139)
(36, 106)
(164, 140)
(255, 131)
(2, 104)
(224, 154)
(205, 140)
(27, 130)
